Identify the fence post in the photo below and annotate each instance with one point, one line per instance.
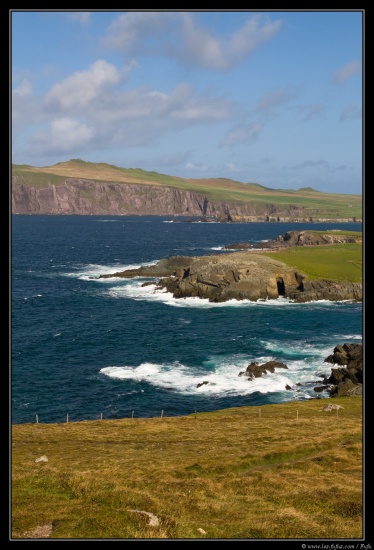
(162, 413)
(101, 416)
(132, 416)
(259, 413)
(297, 415)
(37, 419)
(67, 418)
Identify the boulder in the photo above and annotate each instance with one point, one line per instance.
(347, 379)
(254, 370)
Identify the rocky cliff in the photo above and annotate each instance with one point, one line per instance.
(86, 197)
(246, 275)
(240, 276)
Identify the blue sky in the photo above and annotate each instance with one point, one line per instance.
(271, 97)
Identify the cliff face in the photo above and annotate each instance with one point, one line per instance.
(76, 196)
(85, 197)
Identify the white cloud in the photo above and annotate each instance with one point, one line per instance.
(89, 110)
(81, 17)
(23, 89)
(346, 72)
(197, 166)
(178, 36)
(230, 166)
(272, 99)
(256, 31)
(243, 133)
(135, 32)
(64, 135)
(177, 109)
(82, 88)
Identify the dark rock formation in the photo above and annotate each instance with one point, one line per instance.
(347, 379)
(221, 277)
(254, 370)
(324, 289)
(248, 276)
(239, 276)
(297, 238)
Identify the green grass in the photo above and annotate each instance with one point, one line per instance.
(314, 204)
(338, 262)
(282, 471)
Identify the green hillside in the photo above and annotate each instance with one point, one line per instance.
(315, 203)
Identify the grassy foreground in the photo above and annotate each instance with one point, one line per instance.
(276, 472)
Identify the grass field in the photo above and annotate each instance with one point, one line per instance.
(338, 262)
(316, 204)
(276, 472)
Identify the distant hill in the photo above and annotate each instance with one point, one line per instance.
(80, 187)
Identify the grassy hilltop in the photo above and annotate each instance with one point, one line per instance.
(276, 472)
(329, 206)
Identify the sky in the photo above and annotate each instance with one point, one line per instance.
(267, 97)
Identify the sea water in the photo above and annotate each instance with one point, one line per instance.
(90, 348)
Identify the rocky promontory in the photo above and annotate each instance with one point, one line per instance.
(245, 275)
(298, 238)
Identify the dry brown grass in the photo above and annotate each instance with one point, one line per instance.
(293, 472)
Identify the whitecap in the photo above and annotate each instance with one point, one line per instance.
(93, 271)
(218, 376)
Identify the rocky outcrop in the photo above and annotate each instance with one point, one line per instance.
(240, 276)
(221, 277)
(347, 378)
(254, 370)
(88, 197)
(324, 289)
(298, 238)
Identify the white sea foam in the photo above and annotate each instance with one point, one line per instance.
(93, 271)
(133, 288)
(217, 376)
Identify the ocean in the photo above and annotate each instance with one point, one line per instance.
(84, 348)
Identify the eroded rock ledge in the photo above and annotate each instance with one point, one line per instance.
(298, 238)
(240, 276)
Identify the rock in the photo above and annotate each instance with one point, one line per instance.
(298, 238)
(244, 276)
(319, 389)
(254, 370)
(347, 379)
(42, 459)
(153, 520)
(330, 407)
(202, 383)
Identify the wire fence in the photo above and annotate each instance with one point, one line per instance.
(293, 410)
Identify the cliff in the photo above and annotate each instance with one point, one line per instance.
(87, 197)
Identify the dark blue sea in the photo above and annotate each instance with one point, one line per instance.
(112, 348)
